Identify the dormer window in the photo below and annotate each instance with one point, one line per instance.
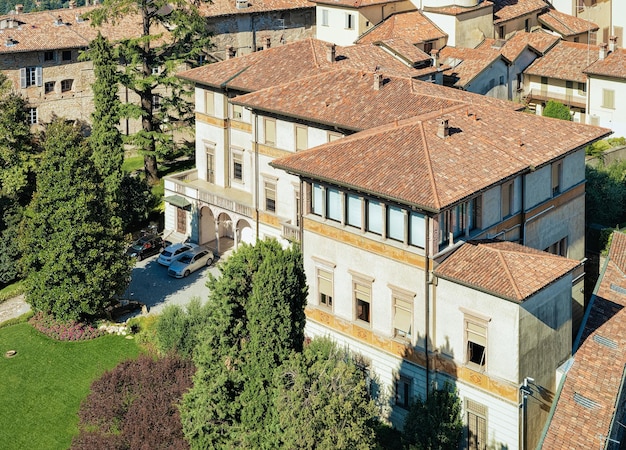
(10, 42)
(59, 22)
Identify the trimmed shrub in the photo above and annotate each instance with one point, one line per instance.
(136, 406)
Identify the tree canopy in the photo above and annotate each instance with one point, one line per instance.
(556, 110)
(73, 258)
(173, 34)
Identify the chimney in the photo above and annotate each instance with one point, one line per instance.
(59, 21)
(434, 54)
(267, 43)
(612, 43)
(602, 52)
(378, 81)
(442, 129)
(72, 4)
(232, 52)
(9, 42)
(331, 53)
(19, 9)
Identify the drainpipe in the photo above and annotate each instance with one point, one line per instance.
(427, 300)
(256, 172)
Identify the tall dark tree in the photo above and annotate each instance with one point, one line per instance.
(73, 259)
(106, 139)
(173, 33)
(321, 401)
(255, 280)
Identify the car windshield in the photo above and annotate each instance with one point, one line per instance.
(137, 247)
(185, 259)
(167, 254)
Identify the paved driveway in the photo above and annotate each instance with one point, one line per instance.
(150, 284)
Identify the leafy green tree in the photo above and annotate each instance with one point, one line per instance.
(173, 34)
(321, 401)
(73, 258)
(435, 423)
(213, 412)
(556, 110)
(605, 197)
(106, 139)
(179, 330)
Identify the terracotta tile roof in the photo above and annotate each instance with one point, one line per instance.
(346, 98)
(504, 269)
(217, 8)
(565, 61)
(454, 10)
(405, 50)
(586, 404)
(412, 26)
(300, 59)
(614, 65)
(355, 3)
(407, 162)
(505, 10)
(511, 49)
(38, 31)
(467, 63)
(565, 24)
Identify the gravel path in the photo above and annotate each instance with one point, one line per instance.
(13, 307)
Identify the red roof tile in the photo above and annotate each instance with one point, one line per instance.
(511, 49)
(412, 26)
(598, 368)
(346, 98)
(505, 10)
(565, 24)
(504, 269)
(409, 163)
(355, 3)
(614, 65)
(293, 61)
(467, 63)
(565, 61)
(454, 10)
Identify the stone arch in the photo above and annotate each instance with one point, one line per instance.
(207, 225)
(245, 232)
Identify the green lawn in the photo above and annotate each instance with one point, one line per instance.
(132, 163)
(41, 388)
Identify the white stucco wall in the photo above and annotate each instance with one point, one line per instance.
(614, 118)
(336, 31)
(446, 23)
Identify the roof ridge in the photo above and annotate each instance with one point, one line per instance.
(315, 62)
(556, 17)
(429, 166)
(508, 272)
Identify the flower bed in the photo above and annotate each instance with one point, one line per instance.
(64, 331)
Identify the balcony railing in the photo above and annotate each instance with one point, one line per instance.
(290, 232)
(575, 100)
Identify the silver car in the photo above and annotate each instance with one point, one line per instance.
(190, 262)
(175, 251)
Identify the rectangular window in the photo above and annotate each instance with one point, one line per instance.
(48, 55)
(156, 70)
(66, 85)
(332, 137)
(362, 299)
(452, 222)
(48, 87)
(317, 200)
(238, 166)
(156, 102)
(32, 116)
(349, 21)
(527, 25)
(556, 178)
(608, 98)
(558, 248)
(238, 112)
(569, 87)
(403, 392)
(582, 88)
(501, 32)
(476, 425)
(269, 188)
(298, 209)
(270, 131)
(209, 103)
(353, 210)
(506, 198)
(301, 138)
(395, 223)
(402, 315)
(324, 17)
(66, 55)
(210, 162)
(374, 217)
(333, 204)
(30, 76)
(475, 213)
(325, 287)
(476, 339)
(417, 231)
(544, 85)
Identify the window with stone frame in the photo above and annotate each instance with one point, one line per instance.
(66, 85)
(325, 287)
(476, 342)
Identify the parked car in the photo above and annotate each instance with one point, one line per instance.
(190, 262)
(145, 246)
(175, 251)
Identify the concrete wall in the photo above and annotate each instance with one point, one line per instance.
(446, 23)
(493, 81)
(473, 27)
